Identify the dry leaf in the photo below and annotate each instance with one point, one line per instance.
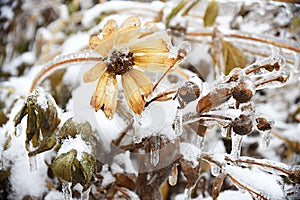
(211, 13)
(232, 57)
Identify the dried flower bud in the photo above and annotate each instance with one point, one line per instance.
(188, 93)
(242, 125)
(244, 90)
(263, 124)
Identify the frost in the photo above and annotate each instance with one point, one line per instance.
(190, 153)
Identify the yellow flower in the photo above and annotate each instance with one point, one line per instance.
(126, 50)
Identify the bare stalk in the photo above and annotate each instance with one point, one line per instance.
(57, 64)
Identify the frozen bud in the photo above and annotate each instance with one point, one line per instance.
(188, 93)
(263, 124)
(243, 91)
(72, 168)
(242, 125)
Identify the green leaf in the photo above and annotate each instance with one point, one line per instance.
(190, 7)
(232, 57)
(175, 11)
(211, 13)
(62, 165)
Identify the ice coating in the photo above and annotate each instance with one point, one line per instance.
(67, 191)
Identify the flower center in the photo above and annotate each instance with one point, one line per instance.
(120, 62)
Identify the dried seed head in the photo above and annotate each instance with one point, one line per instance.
(242, 125)
(263, 124)
(188, 93)
(243, 91)
(120, 62)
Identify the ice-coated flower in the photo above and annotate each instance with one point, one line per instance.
(127, 50)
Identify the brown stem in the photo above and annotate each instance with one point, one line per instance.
(161, 78)
(260, 164)
(74, 60)
(281, 79)
(245, 187)
(157, 98)
(247, 38)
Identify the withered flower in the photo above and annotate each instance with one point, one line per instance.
(126, 50)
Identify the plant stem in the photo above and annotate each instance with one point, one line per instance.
(54, 65)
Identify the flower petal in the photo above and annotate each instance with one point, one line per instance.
(129, 30)
(100, 45)
(94, 73)
(132, 94)
(142, 81)
(106, 94)
(131, 23)
(154, 62)
(104, 44)
(109, 29)
(154, 43)
(111, 97)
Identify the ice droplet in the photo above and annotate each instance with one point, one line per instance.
(236, 142)
(154, 152)
(32, 163)
(178, 123)
(215, 170)
(187, 193)
(265, 141)
(173, 177)
(19, 130)
(85, 194)
(137, 138)
(66, 189)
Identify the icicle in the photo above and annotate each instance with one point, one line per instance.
(215, 170)
(137, 138)
(85, 194)
(173, 177)
(178, 122)
(265, 141)
(66, 189)
(236, 141)
(187, 193)
(32, 163)
(200, 141)
(154, 152)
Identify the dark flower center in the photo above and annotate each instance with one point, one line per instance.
(120, 62)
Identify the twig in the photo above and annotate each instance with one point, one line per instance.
(245, 187)
(233, 35)
(251, 162)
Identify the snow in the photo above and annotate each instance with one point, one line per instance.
(253, 179)
(107, 176)
(77, 144)
(76, 42)
(95, 12)
(190, 152)
(7, 12)
(54, 195)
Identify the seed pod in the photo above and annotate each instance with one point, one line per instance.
(244, 90)
(242, 125)
(188, 93)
